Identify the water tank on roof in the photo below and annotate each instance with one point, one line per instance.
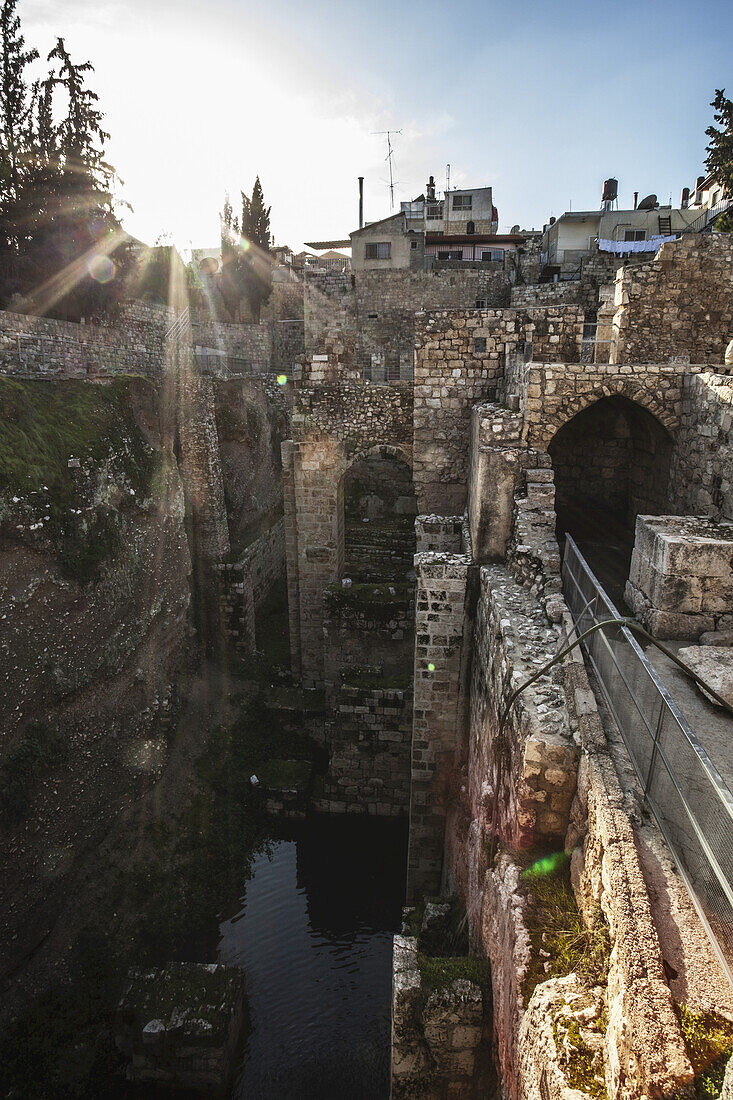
(610, 191)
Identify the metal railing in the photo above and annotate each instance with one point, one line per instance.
(180, 327)
(682, 787)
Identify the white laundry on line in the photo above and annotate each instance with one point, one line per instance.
(620, 247)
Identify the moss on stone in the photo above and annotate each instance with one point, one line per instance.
(556, 927)
(378, 601)
(44, 423)
(438, 973)
(709, 1042)
(371, 679)
(285, 775)
(584, 1067)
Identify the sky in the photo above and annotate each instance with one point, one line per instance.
(540, 99)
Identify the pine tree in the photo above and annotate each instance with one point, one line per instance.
(16, 106)
(719, 161)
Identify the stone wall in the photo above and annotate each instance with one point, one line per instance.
(702, 462)
(386, 303)
(133, 344)
(330, 308)
(285, 303)
(244, 585)
(369, 737)
(436, 1033)
(680, 305)
(460, 361)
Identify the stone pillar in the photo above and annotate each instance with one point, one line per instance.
(291, 554)
(318, 494)
(439, 625)
(494, 472)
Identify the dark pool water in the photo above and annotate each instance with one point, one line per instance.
(313, 932)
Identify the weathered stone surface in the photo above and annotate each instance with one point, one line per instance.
(681, 579)
(714, 665)
(180, 1026)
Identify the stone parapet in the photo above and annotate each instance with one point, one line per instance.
(680, 584)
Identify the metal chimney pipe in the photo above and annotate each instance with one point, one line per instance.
(361, 202)
(636, 198)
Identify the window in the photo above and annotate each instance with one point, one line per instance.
(413, 246)
(635, 234)
(471, 227)
(381, 250)
(453, 254)
(479, 345)
(434, 212)
(462, 202)
(480, 303)
(495, 255)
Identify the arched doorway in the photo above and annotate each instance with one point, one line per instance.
(379, 508)
(611, 463)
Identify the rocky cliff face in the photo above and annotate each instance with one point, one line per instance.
(94, 603)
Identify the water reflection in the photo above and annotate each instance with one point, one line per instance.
(313, 932)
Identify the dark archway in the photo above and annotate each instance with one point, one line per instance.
(379, 518)
(611, 463)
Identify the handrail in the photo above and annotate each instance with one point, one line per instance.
(692, 804)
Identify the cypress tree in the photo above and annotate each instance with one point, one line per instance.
(719, 160)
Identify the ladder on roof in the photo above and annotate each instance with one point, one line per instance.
(665, 225)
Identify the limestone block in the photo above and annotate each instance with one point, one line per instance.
(713, 664)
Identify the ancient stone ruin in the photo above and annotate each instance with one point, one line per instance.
(450, 494)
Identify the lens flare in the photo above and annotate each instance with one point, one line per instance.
(101, 269)
(282, 379)
(547, 865)
(431, 667)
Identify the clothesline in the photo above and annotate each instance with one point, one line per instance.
(652, 245)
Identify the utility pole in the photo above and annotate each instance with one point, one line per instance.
(390, 154)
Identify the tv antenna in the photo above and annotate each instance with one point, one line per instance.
(390, 154)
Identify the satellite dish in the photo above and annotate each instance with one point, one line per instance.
(649, 203)
(515, 229)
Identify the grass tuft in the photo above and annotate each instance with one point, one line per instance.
(709, 1042)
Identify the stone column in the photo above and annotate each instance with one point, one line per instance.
(439, 624)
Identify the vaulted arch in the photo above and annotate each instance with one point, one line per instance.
(665, 410)
(611, 462)
(378, 506)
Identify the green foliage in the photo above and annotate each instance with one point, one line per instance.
(724, 223)
(31, 755)
(245, 247)
(556, 927)
(709, 1042)
(42, 425)
(57, 212)
(719, 160)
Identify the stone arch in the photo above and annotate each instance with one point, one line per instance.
(667, 413)
(611, 461)
(377, 508)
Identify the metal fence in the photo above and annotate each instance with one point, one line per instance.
(682, 787)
